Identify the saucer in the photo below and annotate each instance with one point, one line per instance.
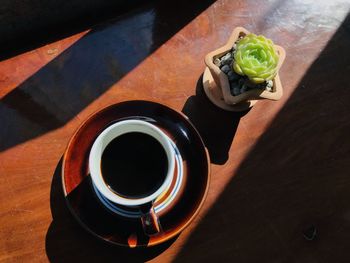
(127, 231)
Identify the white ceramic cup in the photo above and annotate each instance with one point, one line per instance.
(149, 218)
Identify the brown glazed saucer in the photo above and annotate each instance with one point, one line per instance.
(87, 208)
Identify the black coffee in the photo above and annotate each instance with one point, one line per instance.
(134, 165)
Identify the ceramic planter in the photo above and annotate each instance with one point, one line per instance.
(216, 84)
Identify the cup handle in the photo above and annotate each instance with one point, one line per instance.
(150, 221)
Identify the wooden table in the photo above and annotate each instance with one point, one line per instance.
(277, 172)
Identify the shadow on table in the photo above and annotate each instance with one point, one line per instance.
(295, 178)
(61, 89)
(67, 241)
(37, 25)
(217, 127)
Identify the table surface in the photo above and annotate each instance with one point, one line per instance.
(278, 171)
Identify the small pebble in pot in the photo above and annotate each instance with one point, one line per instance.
(227, 56)
(236, 91)
(235, 88)
(269, 85)
(217, 62)
(241, 82)
(232, 75)
(225, 69)
(227, 59)
(244, 88)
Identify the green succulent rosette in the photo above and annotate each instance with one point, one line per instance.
(256, 57)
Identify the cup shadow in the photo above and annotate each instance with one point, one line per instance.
(217, 127)
(67, 241)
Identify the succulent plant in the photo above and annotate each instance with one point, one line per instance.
(256, 57)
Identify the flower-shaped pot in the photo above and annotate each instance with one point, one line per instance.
(217, 87)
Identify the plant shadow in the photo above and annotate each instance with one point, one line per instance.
(217, 127)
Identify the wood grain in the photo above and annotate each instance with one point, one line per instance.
(276, 170)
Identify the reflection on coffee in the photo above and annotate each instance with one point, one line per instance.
(134, 165)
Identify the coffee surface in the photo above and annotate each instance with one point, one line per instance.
(134, 165)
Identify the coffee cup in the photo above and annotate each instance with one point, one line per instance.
(131, 164)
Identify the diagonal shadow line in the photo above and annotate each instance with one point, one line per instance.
(83, 72)
(217, 129)
(295, 177)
